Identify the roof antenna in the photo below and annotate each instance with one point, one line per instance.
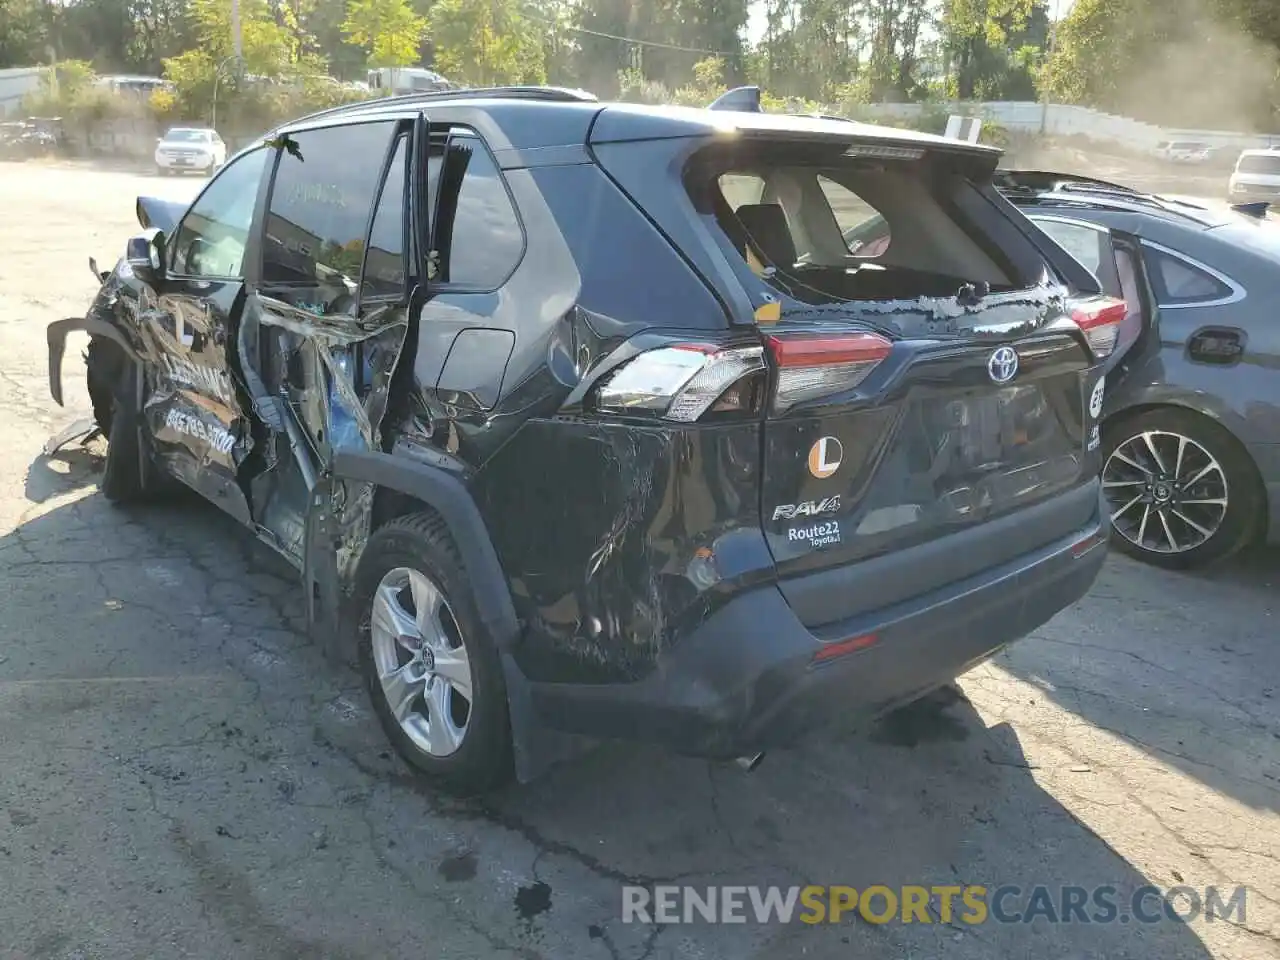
(1256, 210)
(739, 100)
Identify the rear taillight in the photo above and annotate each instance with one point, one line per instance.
(1100, 319)
(684, 381)
(811, 366)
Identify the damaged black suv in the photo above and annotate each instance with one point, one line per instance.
(609, 421)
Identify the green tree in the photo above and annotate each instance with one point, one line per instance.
(270, 46)
(24, 33)
(1186, 63)
(486, 42)
(993, 47)
(388, 30)
(658, 40)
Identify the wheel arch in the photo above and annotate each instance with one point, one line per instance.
(403, 486)
(1211, 417)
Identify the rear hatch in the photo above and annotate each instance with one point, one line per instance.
(932, 358)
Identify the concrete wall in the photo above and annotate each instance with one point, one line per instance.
(16, 83)
(1066, 120)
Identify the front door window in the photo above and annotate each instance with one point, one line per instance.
(211, 240)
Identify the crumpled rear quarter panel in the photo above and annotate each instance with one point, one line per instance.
(616, 539)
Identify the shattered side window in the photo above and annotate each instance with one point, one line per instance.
(323, 193)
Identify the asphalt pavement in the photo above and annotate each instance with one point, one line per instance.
(183, 774)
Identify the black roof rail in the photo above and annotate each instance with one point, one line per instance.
(546, 94)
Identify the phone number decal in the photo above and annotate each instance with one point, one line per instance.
(219, 439)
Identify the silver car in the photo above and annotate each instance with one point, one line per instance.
(1191, 420)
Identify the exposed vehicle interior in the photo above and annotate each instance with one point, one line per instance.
(824, 233)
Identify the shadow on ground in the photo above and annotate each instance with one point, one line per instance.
(1185, 666)
(182, 766)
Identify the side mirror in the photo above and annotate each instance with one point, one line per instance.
(145, 256)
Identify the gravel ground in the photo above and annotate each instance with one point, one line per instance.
(183, 775)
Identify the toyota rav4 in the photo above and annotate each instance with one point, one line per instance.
(585, 419)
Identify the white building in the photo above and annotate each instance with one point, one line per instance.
(16, 83)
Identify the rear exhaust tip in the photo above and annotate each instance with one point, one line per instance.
(750, 763)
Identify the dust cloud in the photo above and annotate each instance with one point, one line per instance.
(1197, 70)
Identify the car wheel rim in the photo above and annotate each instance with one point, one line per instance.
(421, 660)
(1165, 492)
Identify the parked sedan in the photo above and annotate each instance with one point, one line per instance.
(1191, 422)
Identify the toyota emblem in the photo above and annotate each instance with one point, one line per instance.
(1003, 365)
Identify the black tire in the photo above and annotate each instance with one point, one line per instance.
(483, 760)
(124, 479)
(103, 367)
(1241, 487)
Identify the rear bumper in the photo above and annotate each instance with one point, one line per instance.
(196, 163)
(1252, 194)
(746, 680)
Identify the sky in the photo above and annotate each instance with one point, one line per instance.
(756, 25)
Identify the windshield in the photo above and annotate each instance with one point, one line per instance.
(186, 136)
(1268, 166)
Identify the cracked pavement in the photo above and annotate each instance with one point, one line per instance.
(183, 774)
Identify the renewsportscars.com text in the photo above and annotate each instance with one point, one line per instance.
(971, 904)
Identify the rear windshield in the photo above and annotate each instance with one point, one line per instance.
(819, 227)
(186, 136)
(1268, 166)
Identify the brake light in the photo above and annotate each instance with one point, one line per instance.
(683, 381)
(1100, 319)
(817, 365)
(843, 648)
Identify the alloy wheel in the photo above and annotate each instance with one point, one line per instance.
(421, 661)
(1165, 492)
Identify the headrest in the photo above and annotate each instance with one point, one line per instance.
(766, 226)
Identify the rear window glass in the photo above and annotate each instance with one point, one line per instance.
(1268, 166)
(822, 228)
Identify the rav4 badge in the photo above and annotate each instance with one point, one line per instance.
(810, 508)
(825, 457)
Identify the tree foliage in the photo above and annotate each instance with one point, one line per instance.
(484, 42)
(388, 31)
(1190, 63)
(1176, 62)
